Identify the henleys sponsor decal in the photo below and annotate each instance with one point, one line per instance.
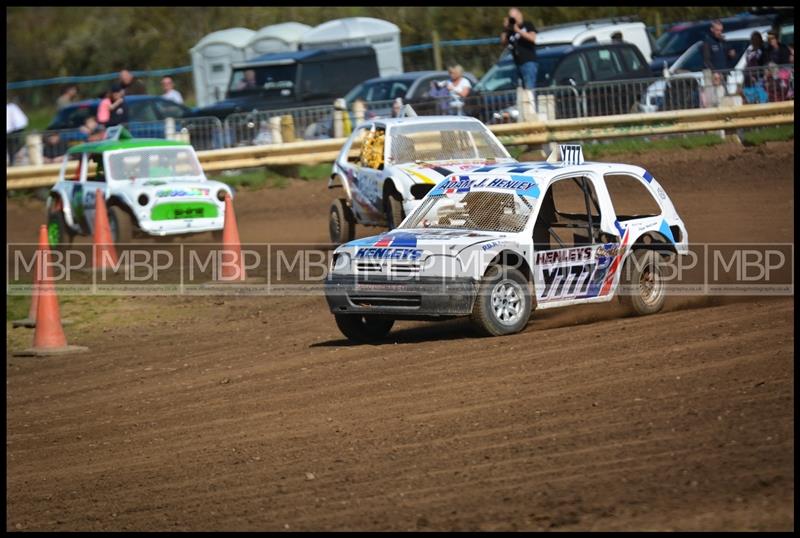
(177, 193)
(523, 185)
(381, 253)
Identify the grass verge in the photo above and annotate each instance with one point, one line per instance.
(275, 177)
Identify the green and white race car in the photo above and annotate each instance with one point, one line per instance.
(152, 187)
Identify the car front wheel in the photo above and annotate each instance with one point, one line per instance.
(365, 329)
(394, 209)
(644, 291)
(121, 225)
(341, 223)
(503, 304)
(58, 233)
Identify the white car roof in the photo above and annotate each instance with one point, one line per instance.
(542, 172)
(745, 33)
(420, 120)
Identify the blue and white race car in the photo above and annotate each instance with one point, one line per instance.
(502, 240)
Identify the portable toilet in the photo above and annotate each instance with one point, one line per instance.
(382, 35)
(212, 57)
(284, 37)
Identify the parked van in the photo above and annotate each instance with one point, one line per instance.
(294, 79)
(598, 31)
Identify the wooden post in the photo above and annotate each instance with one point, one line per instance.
(287, 128)
(169, 128)
(527, 112)
(437, 51)
(275, 129)
(339, 110)
(358, 110)
(33, 142)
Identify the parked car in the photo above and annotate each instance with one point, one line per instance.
(568, 72)
(497, 243)
(378, 94)
(681, 89)
(676, 40)
(151, 187)
(388, 165)
(144, 115)
(294, 79)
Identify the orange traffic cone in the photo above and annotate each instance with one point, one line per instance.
(232, 262)
(48, 338)
(105, 255)
(30, 321)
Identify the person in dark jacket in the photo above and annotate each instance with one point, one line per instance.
(132, 85)
(716, 53)
(777, 52)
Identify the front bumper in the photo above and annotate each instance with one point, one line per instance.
(418, 297)
(175, 227)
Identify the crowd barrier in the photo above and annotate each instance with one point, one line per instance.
(528, 132)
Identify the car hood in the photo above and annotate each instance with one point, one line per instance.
(434, 172)
(417, 244)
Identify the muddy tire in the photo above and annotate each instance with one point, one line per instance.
(645, 293)
(341, 222)
(365, 329)
(503, 304)
(121, 224)
(58, 233)
(394, 209)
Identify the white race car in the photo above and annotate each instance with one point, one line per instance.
(503, 240)
(151, 187)
(388, 165)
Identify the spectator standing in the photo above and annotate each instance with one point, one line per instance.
(108, 111)
(68, 95)
(458, 87)
(16, 122)
(520, 37)
(132, 85)
(755, 57)
(168, 85)
(776, 52)
(716, 53)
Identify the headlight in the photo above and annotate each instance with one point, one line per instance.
(221, 195)
(143, 199)
(339, 261)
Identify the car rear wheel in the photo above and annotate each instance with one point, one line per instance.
(363, 328)
(341, 223)
(644, 291)
(503, 304)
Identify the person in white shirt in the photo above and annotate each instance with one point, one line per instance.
(459, 87)
(16, 122)
(168, 85)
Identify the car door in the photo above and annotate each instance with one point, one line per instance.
(364, 182)
(92, 178)
(574, 242)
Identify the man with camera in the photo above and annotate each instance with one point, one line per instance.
(520, 37)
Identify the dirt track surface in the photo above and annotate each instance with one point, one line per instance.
(194, 413)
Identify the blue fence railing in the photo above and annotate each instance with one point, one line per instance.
(95, 78)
